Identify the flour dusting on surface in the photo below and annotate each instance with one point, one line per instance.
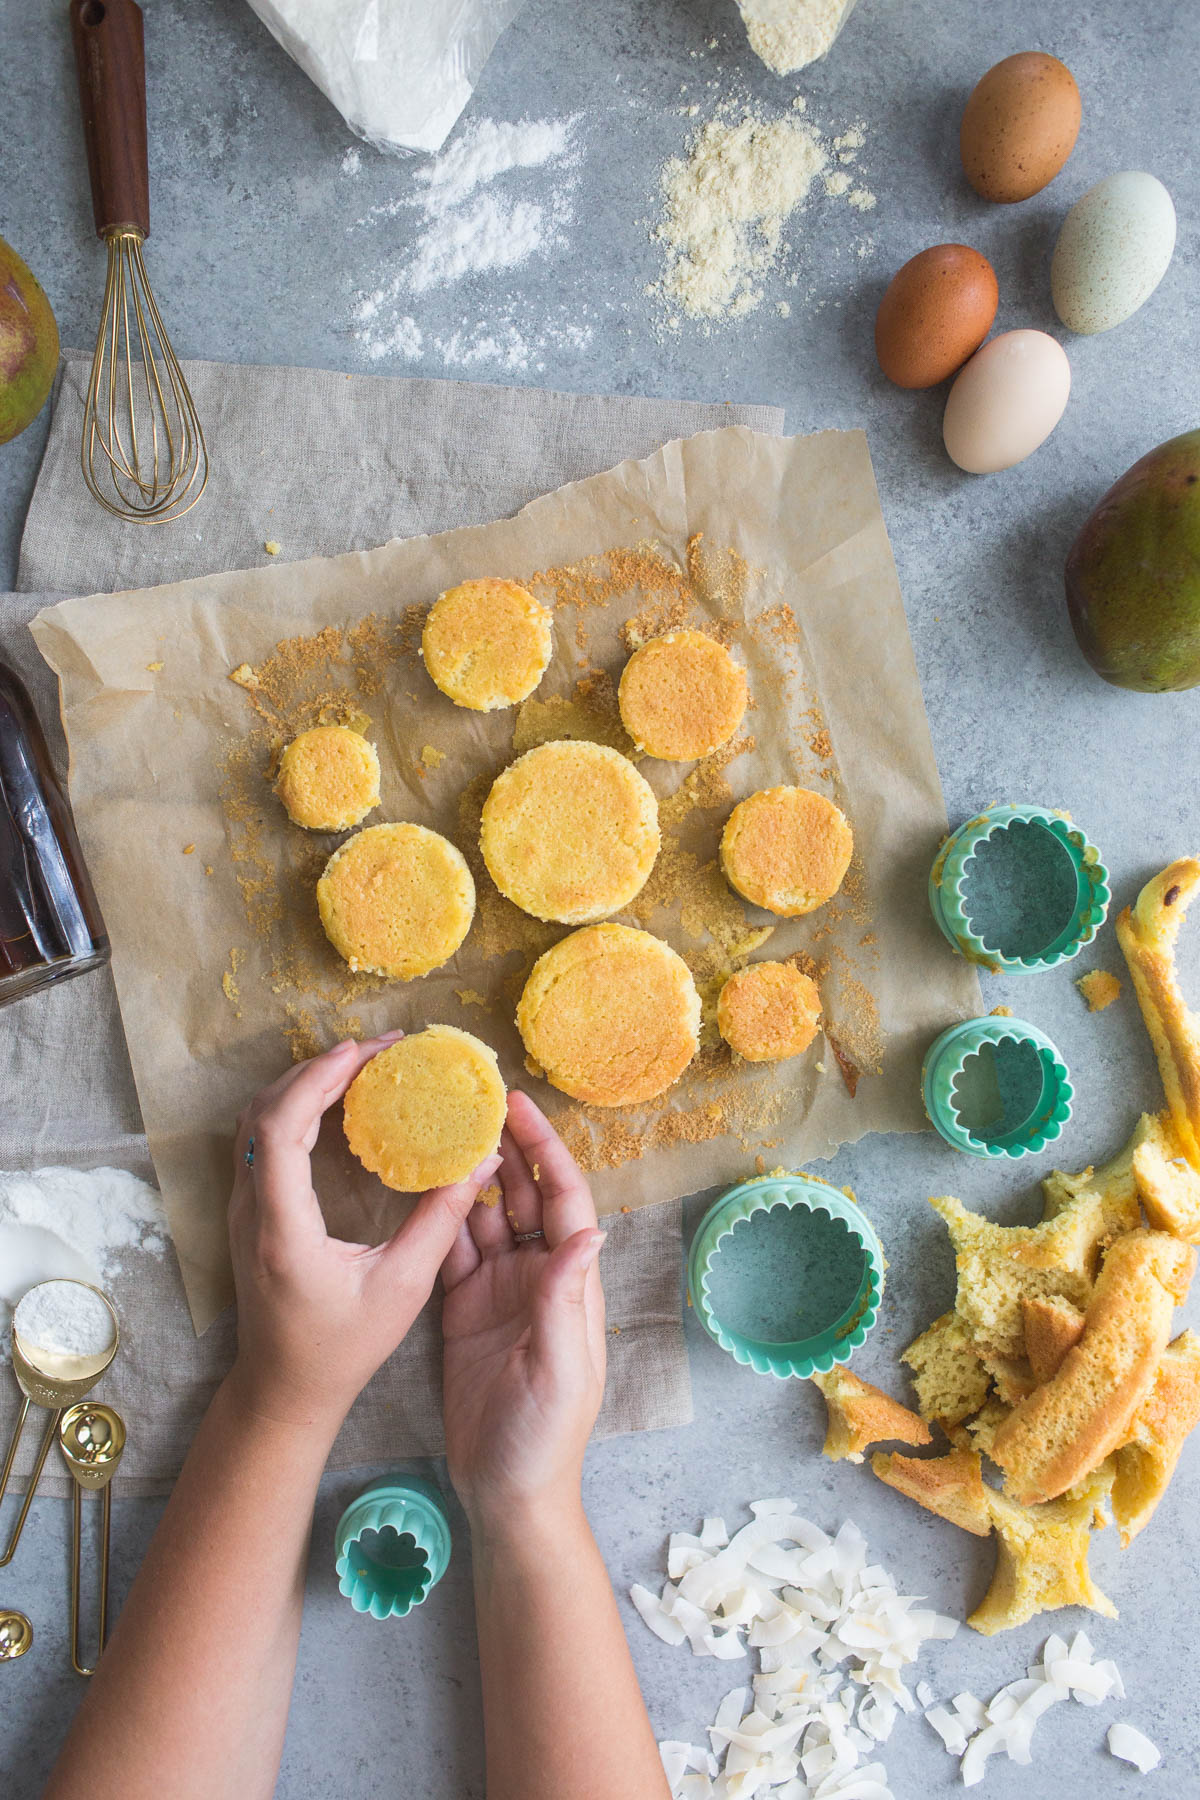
(475, 214)
(81, 1224)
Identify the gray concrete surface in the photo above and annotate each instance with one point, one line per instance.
(254, 260)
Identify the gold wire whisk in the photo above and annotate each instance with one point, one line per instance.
(143, 453)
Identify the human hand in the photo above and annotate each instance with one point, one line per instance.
(317, 1316)
(524, 1330)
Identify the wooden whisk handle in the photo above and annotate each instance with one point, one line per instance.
(110, 58)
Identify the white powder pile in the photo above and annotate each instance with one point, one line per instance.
(474, 219)
(63, 1318)
(727, 202)
(82, 1225)
(790, 34)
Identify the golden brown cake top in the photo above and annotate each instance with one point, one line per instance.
(569, 831)
(610, 1015)
(786, 849)
(682, 696)
(396, 900)
(328, 778)
(768, 1011)
(427, 1110)
(487, 643)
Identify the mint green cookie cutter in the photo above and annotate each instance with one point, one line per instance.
(1031, 1113)
(833, 1339)
(392, 1546)
(950, 880)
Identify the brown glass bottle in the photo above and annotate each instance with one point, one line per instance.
(50, 924)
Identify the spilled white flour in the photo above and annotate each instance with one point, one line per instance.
(474, 213)
(84, 1224)
(497, 341)
(503, 196)
(63, 1318)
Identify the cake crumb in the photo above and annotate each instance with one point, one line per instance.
(189, 849)
(433, 759)
(1099, 989)
(489, 1196)
(271, 547)
(1001, 1012)
(154, 667)
(245, 676)
(627, 1209)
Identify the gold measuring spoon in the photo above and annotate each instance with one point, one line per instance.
(16, 1634)
(92, 1440)
(50, 1379)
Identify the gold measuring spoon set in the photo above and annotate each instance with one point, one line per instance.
(91, 1437)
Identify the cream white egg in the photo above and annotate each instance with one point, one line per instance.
(1112, 251)
(1006, 401)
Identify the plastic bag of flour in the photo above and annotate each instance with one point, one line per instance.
(398, 71)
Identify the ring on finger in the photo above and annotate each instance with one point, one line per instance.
(528, 1237)
(248, 1159)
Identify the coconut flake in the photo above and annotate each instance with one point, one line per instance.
(654, 1614)
(949, 1728)
(832, 1636)
(1133, 1746)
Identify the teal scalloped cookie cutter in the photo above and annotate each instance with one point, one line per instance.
(1019, 888)
(996, 1087)
(392, 1546)
(786, 1275)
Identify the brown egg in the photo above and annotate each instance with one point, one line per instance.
(935, 314)
(1020, 126)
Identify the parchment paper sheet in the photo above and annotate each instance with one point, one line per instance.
(393, 457)
(151, 752)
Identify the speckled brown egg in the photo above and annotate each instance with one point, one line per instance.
(935, 314)
(1020, 126)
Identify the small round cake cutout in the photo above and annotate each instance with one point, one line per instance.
(610, 1015)
(328, 778)
(768, 1011)
(786, 849)
(682, 696)
(396, 900)
(569, 832)
(427, 1110)
(487, 643)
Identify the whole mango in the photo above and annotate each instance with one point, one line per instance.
(1133, 573)
(28, 345)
